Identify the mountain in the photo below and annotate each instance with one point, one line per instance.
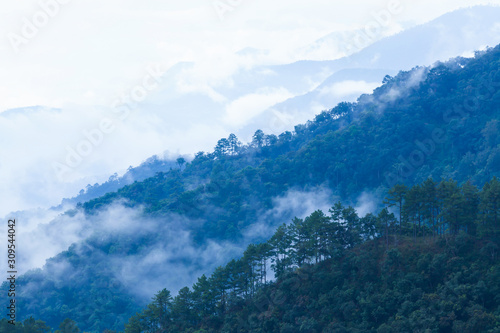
(191, 108)
(281, 96)
(165, 231)
(146, 169)
(456, 33)
(340, 272)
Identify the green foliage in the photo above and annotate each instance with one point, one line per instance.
(334, 275)
(68, 326)
(424, 124)
(427, 130)
(29, 325)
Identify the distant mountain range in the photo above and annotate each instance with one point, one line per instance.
(309, 84)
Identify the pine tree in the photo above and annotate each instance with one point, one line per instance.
(134, 324)
(219, 285)
(351, 226)
(387, 221)
(413, 208)
(203, 301)
(301, 245)
(490, 206)
(182, 310)
(68, 326)
(258, 139)
(158, 313)
(471, 206)
(262, 255)
(250, 261)
(452, 205)
(395, 197)
(336, 230)
(430, 205)
(234, 145)
(281, 243)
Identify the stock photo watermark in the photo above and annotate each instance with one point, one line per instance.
(11, 270)
(222, 7)
(31, 25)
(121, 108)
(373, 30)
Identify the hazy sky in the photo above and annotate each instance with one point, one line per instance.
(81, 56)
(91, 50)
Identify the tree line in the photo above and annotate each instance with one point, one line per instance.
(429, 209)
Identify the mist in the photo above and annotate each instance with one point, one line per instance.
(159, 252)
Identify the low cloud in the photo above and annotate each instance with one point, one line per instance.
(348, 88)
(243, 109)
(294, 203)
(300, 203)
(41, 234)
(159, 252)
(367, 203)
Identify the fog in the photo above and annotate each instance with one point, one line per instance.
(182, 92)
(159, 252)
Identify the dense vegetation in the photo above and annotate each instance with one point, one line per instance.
(439, 122)
(31, 325)
(341, 273)
(147, 169)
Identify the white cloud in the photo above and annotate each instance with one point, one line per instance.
(241, 110)
(293, 203)
(349, 88)
(92, 51)
(40, 137)
(166, 246)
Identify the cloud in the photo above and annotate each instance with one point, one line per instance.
(241, 110)
(367, 203)
(42, 141)
(349, 88)
(294, 203)
(172, 264)
(92, 52)
(301, 203)
(401, 89)
(41, 234)
(159, 252)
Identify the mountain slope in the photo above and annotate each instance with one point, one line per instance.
(439, 122)
(147, 169)
(456, 33)
(345, 273)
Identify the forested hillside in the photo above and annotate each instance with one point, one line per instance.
(439, 122)
(147, 169)
(437, 269)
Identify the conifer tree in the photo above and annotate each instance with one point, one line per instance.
(452, 205)
(490, 205)
(430, 204)
(471, 206)
(395, 197)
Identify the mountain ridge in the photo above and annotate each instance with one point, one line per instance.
(212, 200)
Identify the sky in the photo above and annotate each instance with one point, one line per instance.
(96, 72)
(91, 50)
